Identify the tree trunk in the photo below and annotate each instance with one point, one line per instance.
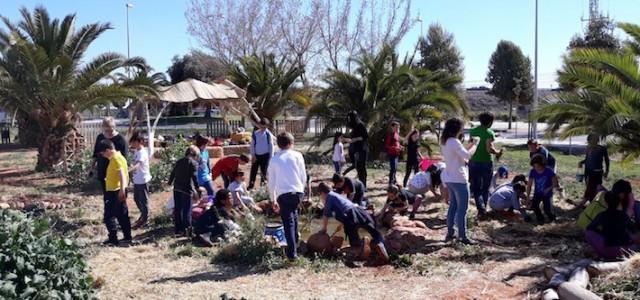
(51, 150)
(510, 112)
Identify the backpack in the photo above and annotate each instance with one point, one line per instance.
(253, 137)
(591, 212)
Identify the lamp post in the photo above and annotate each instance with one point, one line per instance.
(128, 5)
(535, 78)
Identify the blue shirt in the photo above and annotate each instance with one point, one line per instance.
(262, 143)
(551, 161)
(204, 174)
(504, 198)
(336, 205)
(542, 180)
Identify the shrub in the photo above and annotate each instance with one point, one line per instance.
(250, 248)
(161, 170)
(76, 175)
(37, 264)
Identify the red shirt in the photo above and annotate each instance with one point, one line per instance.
(226, 166)
(392, 143)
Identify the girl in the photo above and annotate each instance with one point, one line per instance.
(393, 147)
(413, 154)
(545, 181)
(204, 168)
(338, 152)
(456, 178)
(610, 233)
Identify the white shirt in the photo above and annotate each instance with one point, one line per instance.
(421, 181)
(287, 173)
(455, 157)
(338, 152)
(237, 187)
(141, 175)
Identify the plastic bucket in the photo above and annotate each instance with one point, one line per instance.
(276, 230)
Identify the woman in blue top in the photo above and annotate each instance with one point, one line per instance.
(204, 169)
(545, 180)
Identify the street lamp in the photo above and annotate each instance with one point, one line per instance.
(419, 19)
(128, 5)
(535, 78)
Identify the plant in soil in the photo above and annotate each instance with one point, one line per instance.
(36, 264)
(161, 170)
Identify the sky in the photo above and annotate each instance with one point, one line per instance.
(158, 29)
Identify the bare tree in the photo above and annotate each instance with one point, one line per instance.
(334, 30)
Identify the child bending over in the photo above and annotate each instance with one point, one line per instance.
(544, 180)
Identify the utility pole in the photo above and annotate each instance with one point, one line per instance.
(128, 5)
(535, 83)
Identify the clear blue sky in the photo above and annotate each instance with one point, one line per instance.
(159, 31)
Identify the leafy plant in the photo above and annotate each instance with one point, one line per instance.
(161, 171)
(250, 248)
(37, 264)
(76, 173)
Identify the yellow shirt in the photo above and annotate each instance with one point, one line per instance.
(116, 163)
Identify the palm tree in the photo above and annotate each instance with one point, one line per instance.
(270, 84)
(383, 89)
(43, 75)
(605, 98)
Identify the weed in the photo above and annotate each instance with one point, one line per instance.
(402, 261)
(161, 221)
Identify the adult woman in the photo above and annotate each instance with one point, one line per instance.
(593, 171)
(108, 132)
(456, 178)
(360, 139)
(413, 154)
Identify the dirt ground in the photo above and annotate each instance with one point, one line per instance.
(506, 264)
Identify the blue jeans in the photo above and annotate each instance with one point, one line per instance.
(480, 174)
(546, 204)
(458, 204)
(337, 167)
(209, 187)
(289, 214)
(182, 218)
(393, 169)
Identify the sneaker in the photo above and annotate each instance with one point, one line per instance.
(449, 238)
(110, 243)
(468, 241)
(126, 242)
(412, 216)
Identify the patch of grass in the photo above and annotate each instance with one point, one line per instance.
(189, 250)
(622, 287)
(226, 297)
(402, 261)
(161, 221)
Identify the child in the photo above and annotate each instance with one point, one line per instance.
(398, 200)
(353, 189)
(203, 204)
(185, 186)
(501, 173)
(224, 207)
(545, 180)
(226, 166)
(507, 197)
(204, 168)
(351, 217)
(241, 199)
(426, 181)
(610, 233)
(115, 197)
(211, 222)
(338, 152)
(141, 178)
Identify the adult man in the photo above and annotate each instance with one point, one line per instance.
(228, 165)
(481, 163)
(536, 148)
(360, 140)
(261, 152)
(353, 188)
(287, 180)
(351, 217)
(109, 132)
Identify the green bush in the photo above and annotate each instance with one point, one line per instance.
(76, 175)
(252, 249)
(37, 264)
(161, 170)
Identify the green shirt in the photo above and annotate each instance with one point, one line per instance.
(481, 154)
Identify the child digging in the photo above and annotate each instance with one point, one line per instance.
(398, 200)
(115, 197)
(351, 217)
(545, 181)
(141, 178)
(241, 199)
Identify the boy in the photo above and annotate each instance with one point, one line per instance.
(226, 166)
(239, 193)
(185, 185)
(351, 217)
(507, 197)
(353, 188)
(398, 201)
(545, 180)
(261, 152)
(115, 197)
(141, 177)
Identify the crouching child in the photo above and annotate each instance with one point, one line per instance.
(211, 224)
(351, 217)
(398, 201)
(507, 198)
